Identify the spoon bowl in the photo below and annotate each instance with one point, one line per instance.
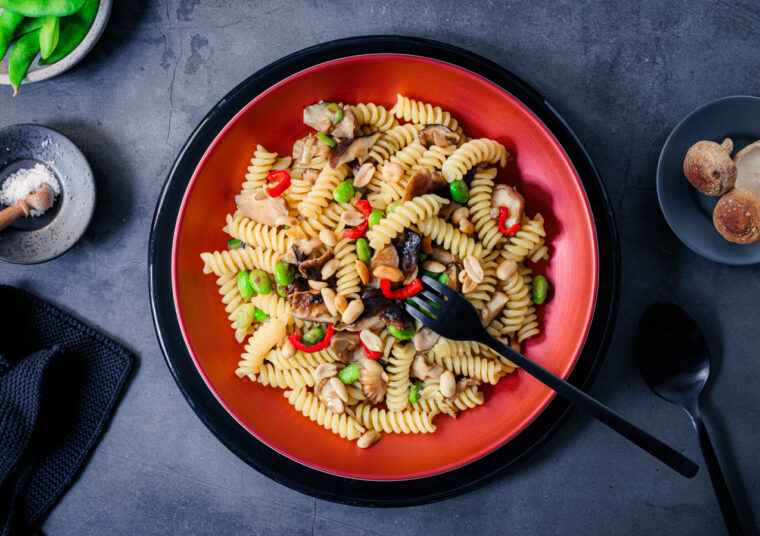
(674, 359)
(672, 354)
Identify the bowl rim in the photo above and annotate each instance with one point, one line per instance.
(92, 37)
(317, 483)
(526, 418)
(665, 201)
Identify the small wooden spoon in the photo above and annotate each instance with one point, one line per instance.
(42, 199)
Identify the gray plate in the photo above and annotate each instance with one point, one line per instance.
(37, 73)
(32, 240)
(688, 211)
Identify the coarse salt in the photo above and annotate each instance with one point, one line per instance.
(21, 183)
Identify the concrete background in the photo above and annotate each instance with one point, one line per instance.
(623, 76)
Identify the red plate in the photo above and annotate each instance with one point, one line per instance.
(540, 169)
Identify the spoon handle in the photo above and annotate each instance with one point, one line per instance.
(727, 507)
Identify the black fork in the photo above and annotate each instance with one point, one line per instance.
(449, 314)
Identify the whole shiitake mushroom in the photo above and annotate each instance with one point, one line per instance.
(737, 214)
(709, 167)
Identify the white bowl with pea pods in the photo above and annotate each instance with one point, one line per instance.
(37, 72)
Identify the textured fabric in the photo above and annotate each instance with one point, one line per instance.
(59, 383)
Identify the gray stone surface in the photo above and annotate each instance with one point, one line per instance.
(622, 75)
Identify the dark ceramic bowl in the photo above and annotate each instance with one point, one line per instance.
(34, 240)
(687, 210)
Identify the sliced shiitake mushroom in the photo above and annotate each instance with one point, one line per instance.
(506, 196)
(373, 379)
(439, 135)
(346, 346)
(261, 208)
(326, 393)
(352, 149)
(312, 268)
(424, 182)
(423, 370)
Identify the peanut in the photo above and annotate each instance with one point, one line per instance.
(353, 311)
(392, 172)
(370, 340)
(328, 237)
(433, 266)
(363, 271)
(339, 387)
(329, 268)
(368, 439)
(462, 213)
(448, 384)
(473, 268)
(466, 226)
(328, 296)
(341, 303)
(506, 270)
(317, 285)
(288, 350)
(468, 285)
(388, 272)
(364, 175)
(352, 218)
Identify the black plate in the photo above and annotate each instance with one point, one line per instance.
(294, 474)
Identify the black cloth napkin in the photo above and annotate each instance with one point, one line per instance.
(60, 381)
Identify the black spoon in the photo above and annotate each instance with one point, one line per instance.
(674, 359)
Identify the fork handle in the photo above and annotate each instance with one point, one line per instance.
(666, 454)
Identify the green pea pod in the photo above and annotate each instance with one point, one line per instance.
(73, 30)
(29, 24)
(9, 21)
(49, 36)
(22, 56)
(35, 8)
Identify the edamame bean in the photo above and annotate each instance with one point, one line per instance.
(259, 315)
(402, 334)
(243, 316)
(281, 292)
(260, 281)
(343, 192)
(460, 192)
(349, 374)
(362, 250)
(393, 206)
(284, 274)
(540, 289)
(49, 33)
(74, 28)
(374, 218)
(29, 24)
(414, 391)
(313, 336)
(21, 57)
(35, 8)
(443, 278)
(424, 257)
(244, 285)
(9, 22)
(234, 244)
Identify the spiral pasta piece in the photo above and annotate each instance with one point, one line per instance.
(447, 347)
(422, 113)
(257, 234)
(529, 327)
(349, 283)
(301, 359)
(485, 289)
(293, 378)
(261, 165)
(471, 154)
(393, 140)
(409, 213)
(486, 370)
(322, 191)
(308, 405)
(298, 190)
(447, 236)
(479, 203)
(399, 422)
(397, 396)
(528, 237)
(235, 260)
(469, 398)
(274, 305)
(433, 158)
(513, 314)
(373, 115)
(270, 333)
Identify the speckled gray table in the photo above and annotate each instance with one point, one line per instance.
(622, 76)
